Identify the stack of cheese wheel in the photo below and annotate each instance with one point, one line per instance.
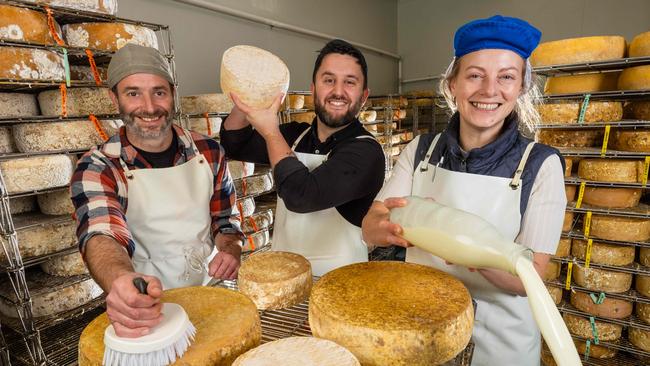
(98, 6)
(85, 73)
(275, 280)
(65, 266)
(293, 101)
(359, 304)
(611, 171)
(240, 169)
(68, 135)
(37, 172)
(79, 102)
(249, 186)
(256, 240)
(221, 335)
(20, 63)
(637, 336)
(108, 37)
(44, 239)
(26, 25)
(395, 102)
(205, 104)
(606, 332)
(255, 75)
(298, 351)
(261, 220)
(578, 50)
(569, 189)
(368, 116)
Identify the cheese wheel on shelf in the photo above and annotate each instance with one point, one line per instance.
(416, 328)
(639, 338)
(570, 138)
(97, 6)
(637, 110)
(612, 197)
(620, 228)
(570, 190)
(26, 25)
(644, 256)
(56, 203)
(640, 45)
(19, 205)
(568, 166)
(610, 254)
(568, 221)
(368, 116)
(256, 240)
(209, 126)
(245, 206)
(7, 144)
(206, 103)
(37, 172)
(568, 112)
(383, 127)
(610, 307)
(552, 271)
(556, 294)
(259, 221)
(583, 83)
(108, 37)
(85, 73)
(595, 351)
(18, 105)
(563, 248)
(221, 336)
(635, 78)
(67, 135)
(43, 239)
(547, 356)
(298, 351)
(578, 50)
(642, 284)
(79, 102)
(65, 266)
(642, 311)
(601, 280)
(20, 63)
(293, 101)
(303, 117)
(275, 280)
(240, 169)
(581, 327)
(309, 102)
(255, 75)
(611, 170)
(254, 185)
(632, 140)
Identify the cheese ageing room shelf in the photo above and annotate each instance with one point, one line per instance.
(578, 234)
(591, 125)
(630, 295)
(617, 64)
(612, 95)
(641, 211)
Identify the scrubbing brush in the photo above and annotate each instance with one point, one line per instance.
(167, 340)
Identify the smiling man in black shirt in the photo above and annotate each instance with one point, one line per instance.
(327, 173)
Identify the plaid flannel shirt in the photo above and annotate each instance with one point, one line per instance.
(99, 187)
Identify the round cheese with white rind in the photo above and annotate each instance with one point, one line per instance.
(206, 103)
(18, 105)
(601, 280)
(26, 25)
(208, 126)
(602, 253)
(79, 102)
(298, 351)
(21, 63)
(65, 266)
(67, 135)
(47, 238)
(106, 36)
(240, 169)
(56, 203)
(37, 172)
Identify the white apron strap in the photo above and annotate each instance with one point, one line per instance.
(295, 144)
(424, 164)
(516, 180)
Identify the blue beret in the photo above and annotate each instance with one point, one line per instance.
(497, 32)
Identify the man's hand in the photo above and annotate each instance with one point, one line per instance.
(132, 313)
(265, 121)
(225, 265)
(377, 228)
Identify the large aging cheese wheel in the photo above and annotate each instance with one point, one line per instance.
(568, 166)
(20, 205)
(552, 271)
(256, 240)
(309, 102)
(43, 239)
(611, 170)
(424, 318)
(240, 169)
(206, 103)
(298, 351)
(208, 126)
(642, 311)
(79, 102)
(570, 191)
(620, 228)
(609, 308)
(637, 110)
(305, 117)
(640, 45)
(275, 280)
(68, 135)
(245, 206)
(639, 338)
(293, 101)
(644, 256)
(642, 285)
(570, 138)
(635, 78)
(37, 172)
(595, 351)
(66, 266)
(227, 325)
(25, 25)
(568, 221)
(368, 116)
(556, 293)
(259, 221)
(610, 254)
(568, 112)
(18, 105)
(7, 144)
(108, 36)
(583, 83)
(582, 327)
(632, 140)
(98, 6)
(612, 197)
(601, 280)
(56, 203)
(578, 50)
(254, 185)
(255, 75)
(85, 73)
(19, 63)
(563, 248)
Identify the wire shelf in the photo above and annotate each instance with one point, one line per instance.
(45, 119)
(613, 95)
(590, 183)
(641, 211)
(620, 360)
(590, 125)
(631, 321)
(553, 70)
(630, 295)
(633, 268)
(576, 234)
(592, 152)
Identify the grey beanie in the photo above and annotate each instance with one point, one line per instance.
(134, 59)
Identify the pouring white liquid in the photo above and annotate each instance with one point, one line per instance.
(466, 239)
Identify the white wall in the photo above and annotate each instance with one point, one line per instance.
(200, 36)
(426, 27)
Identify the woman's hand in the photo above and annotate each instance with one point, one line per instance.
(376, 227)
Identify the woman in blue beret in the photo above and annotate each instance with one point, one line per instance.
(482, 164)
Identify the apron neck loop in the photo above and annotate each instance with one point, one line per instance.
(424, 164)
(516, 180)
(295, 144)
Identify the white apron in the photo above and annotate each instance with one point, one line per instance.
(168, 215)
(324, 237)
(505, 332)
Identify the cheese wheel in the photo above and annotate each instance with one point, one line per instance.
(18, 63)
(383, 127)
(547, 356)
(601, 253)
(583, 83)
(43, 239)
(259, 221)
(66, 266)
(612, 197)
(639, 338)
(644, 256)
(256, 240)
(304, 117)
(240, 169)
(637, 110)
(642, 285)
(206, 103)
(56, 203)
(7, 144)
(298, 351)
(68, 135)
(568, 221)
(611, 170)
(19, 205)
(582, 327)
(384, 139)
(620, 228)
(309, 102)
(79, 102)
(98, 6)
(18, 105)
(570, 191)
(568, 166)
(552, 271)
(640, 45)
(642, 311)
(556, 294)
(570, 138)
(632, 140)
(601, 280)
(368, 116)
(108, 37)
(275, 280)
(595, 351)
(37, 172)
(255, 75)
(387, 322)
(293, 101)
(578, 50)
(26, 25)
(254, 185)
(635, 78)
(569, 112)
(563, 248)
(245, 206)
(420, 93)
(221, 335)
(47, 299)
(85, 73)
(609, 308)
(208, 126)
(394, 102)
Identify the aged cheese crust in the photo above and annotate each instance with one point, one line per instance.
(620, 228)
(18, 63)
(85, 73)
(44, 239)
(611, 254)
(98, 6)
(254, 185)
(568, 112)
(20, 205)
(563, 248)
(578, 50)
(570, 138)
(56, 203)
(256, 240)
(601, 280)
(609, 308)
(595, 351)
(227, 325)
(612, 197)
(639, 338)
(206, 103)
(108, 36)
(635, 78)
(25, 25)
(36, 173)
(275, 280)
(644, 256)
(18, 105)
(68, 135)
(387, 322)
(79, 102)
(240, 169)
(200, 125)
(583, 83)
(582, 327)
(637, 110)
(246, 206)
(298, 351)
(259, 221)
(568, 221)
(552, 271)
(611, 170)
(7, 144)
(634, 140)
(556, 293)
(66, 266)
(642, 311)
(570, 191)
(642, 285)
(640, 45)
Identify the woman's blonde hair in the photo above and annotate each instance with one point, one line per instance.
(525, 107)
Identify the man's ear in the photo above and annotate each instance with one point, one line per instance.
(114, 97)
(366, 93)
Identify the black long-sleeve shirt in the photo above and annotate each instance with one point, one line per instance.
(349, 179)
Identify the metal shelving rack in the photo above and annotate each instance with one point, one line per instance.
(630, 355)
(24, 342)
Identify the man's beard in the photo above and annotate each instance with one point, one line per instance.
(332, 121)
(134, 128)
